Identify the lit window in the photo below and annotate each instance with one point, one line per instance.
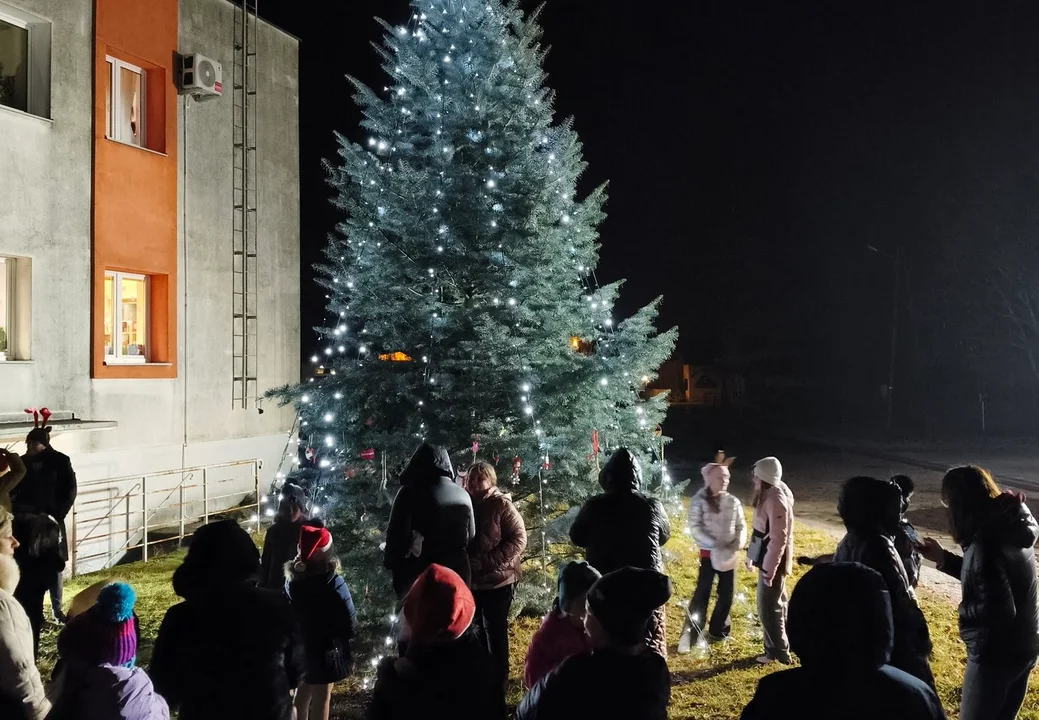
(126, 318)
(24, 61)
(124, 103)
(15, 288)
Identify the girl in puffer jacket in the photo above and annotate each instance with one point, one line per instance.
(719, 528)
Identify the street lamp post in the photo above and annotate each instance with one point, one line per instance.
(896, 259)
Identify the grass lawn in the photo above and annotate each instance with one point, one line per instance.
(717, 685)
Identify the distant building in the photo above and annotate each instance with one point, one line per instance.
(149, 248)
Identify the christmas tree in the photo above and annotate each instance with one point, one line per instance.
(462, 300)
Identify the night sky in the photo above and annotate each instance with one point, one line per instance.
(753, 151)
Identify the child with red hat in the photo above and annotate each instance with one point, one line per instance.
(447, 664)
(325, 613)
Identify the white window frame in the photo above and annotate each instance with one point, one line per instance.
(37, 98)
(116, 357)
(113, 132)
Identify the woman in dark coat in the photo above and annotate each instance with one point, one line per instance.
(324, 611)
(279, 544)
(431, 520)
(40, 561)
(230, 649)
(999, 610)
(621, 527)
(870, 509)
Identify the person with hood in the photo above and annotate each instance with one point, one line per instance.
(621, 527)
(999, 609)
(621, 677)
(12, 472)
(230, 649)
(718, 526)
(907, 539)
(39, 557)
(279, 544)
(431, 520)
(99, 678)
(494, 559)
(49, 488)
(562, 632)
(21, 688)
(325, 613)
(771, 551)
(446, 667)
(870, 509)
(841, 630)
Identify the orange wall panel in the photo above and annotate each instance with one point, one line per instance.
(135, 189)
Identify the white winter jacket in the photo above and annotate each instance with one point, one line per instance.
(20, 683)
(723, 532)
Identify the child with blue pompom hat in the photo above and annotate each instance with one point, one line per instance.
(99, 679)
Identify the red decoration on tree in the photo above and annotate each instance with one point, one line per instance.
(516, 462)
(476, 445)
(545, 464)
(595, 442)
(309, 454)
(495, 459)
(368, 454)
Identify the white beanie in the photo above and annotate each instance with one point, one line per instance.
(768, 470)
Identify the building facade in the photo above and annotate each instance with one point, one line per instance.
(149, 241)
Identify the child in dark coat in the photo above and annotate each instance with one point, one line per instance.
(562, 632)
(279, 544)
(324, 610)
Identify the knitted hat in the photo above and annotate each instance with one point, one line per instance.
(104, 634)
(438, 607)
(313, 540)
(41, 435)
(623, 602)
(768, 470)
(716, 477)
(575, 578)
(291, 492)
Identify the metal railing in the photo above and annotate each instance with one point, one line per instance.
(116, 516)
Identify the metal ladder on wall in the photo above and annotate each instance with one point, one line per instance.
(245, 229)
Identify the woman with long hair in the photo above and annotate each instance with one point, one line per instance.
(771, 551)
(494, 557)
(999, 609)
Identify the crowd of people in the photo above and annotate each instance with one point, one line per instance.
(267, 636)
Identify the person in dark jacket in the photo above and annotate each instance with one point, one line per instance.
(40, 560)
(99, 678)
(230, 649)
(279, 544)
(49, 487)
(840, 626)
(431, 520)
(446, 671)
(325, 613)
(621, 527)
(907, 539)
(870, 509)
(621, 677)
(999, 609)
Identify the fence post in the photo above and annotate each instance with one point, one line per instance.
(74, 550)
(205, 498)
(180, 535)
(256, 493)
(144, 518)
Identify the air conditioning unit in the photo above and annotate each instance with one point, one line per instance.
(200, 76)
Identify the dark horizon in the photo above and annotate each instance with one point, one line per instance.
(752, 155)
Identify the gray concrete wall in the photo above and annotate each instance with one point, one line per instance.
(45, 214)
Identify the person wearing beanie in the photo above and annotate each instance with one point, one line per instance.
(279, 544)
(621, 677)
(325, 614)
(771, 551)
(447, 665)
(494, 558)
(48, 488)
(99, 679)
(21, 688)
(562, 632)
(870, 509)
(841, 630)
(431, 520)
(230, 649)
(719, 528)
(621, 527)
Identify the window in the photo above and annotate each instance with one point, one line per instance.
(15, 286)
(125, 107)
(126, 318)
(24, 62)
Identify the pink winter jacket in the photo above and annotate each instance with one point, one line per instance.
(775, 515)
(555, 641)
